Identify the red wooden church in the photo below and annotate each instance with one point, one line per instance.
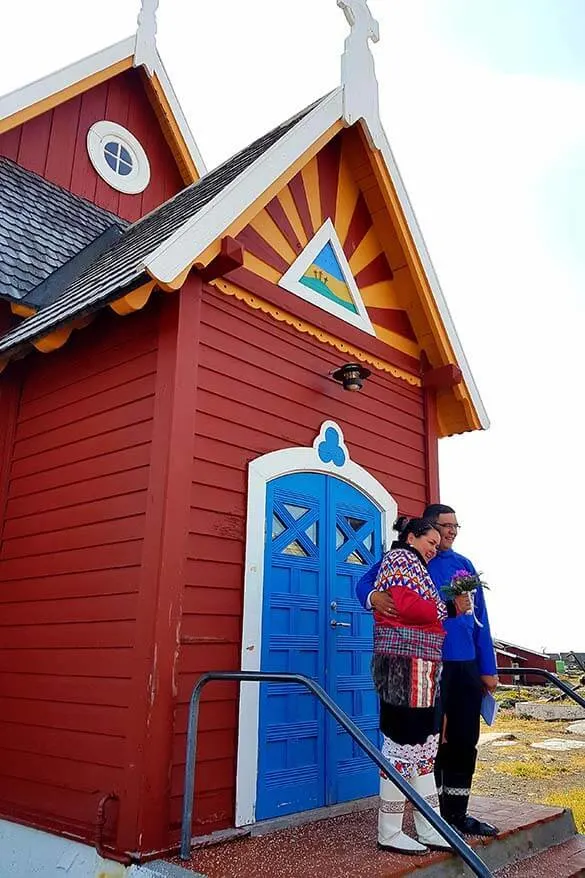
(191, 478)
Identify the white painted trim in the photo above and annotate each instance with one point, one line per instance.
(62, 79)
(177, 253)
(145, 53)
(55, 82)
(182, 248)
(261, 471)
(430, 272)
(180, 118)
(290, 279)
(101, 133)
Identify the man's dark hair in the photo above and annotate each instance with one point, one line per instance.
(433, 511)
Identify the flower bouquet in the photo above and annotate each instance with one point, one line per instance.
(464, 582)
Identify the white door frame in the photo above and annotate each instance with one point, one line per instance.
(328, 455)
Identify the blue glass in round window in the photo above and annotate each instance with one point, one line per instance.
(118, 158)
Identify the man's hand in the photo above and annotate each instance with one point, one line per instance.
(490, 682)
(383, 602)
(462, 604)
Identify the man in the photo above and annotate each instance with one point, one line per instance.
(469, 670)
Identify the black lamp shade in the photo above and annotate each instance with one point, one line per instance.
(352, 376)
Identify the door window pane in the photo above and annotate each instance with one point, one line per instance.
(278, 527)
(295, 548)
(355, 523)
(296, 511)
(340, 538)
(312, 532)
(355, 558)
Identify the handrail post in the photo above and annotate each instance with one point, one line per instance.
(466, 853)
(190, 761)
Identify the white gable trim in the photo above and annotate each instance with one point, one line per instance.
(290, 280)
(63, 79)
(261, 471)
(55, 82)
(179, 251)
(430, 272)
(180, 118)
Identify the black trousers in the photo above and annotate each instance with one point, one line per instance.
(461, 695)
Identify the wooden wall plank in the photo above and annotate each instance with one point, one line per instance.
(76, 477)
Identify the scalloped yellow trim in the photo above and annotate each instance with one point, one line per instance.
(58, 337)
(134, 301)
(258, 304)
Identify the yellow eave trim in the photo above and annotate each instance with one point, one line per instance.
(175, 137)
(422, 284)
(60, 97)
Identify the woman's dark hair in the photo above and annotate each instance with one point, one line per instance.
(415, 526)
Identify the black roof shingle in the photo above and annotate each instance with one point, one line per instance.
(120, 267)
(42, 226)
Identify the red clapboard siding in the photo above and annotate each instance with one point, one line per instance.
(263, 386)
(54, 145)
(70, 571)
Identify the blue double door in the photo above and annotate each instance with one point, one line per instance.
(322, 534)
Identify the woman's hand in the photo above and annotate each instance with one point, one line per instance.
(462, 604)
(383, 602)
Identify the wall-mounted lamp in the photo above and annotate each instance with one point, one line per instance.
(352, 376)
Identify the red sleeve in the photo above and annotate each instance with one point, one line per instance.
(412, 608)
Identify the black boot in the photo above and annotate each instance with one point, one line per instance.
(468, 825)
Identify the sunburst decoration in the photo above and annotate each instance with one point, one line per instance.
(328, 187)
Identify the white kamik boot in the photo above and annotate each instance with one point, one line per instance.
(426, 787)
(390, 814)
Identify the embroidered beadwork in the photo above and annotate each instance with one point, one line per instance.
(403, 569)
(455, 791)
(391, 807)
(411, 759)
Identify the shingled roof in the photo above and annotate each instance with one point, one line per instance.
(42, 227)
(121, 267)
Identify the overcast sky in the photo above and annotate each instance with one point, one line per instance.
(483, 103)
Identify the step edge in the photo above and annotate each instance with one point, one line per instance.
(560, 827)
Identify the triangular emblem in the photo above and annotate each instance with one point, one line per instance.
(321, 275)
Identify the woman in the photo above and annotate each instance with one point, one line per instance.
(406, 667)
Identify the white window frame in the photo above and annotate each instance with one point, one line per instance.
(98, 136)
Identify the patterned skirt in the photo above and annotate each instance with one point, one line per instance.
(409, 711)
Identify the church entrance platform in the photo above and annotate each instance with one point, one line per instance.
(534, 840)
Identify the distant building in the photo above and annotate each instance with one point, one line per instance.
(509, 655)
(573, 661)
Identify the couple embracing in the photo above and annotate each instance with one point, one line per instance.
(433, 661)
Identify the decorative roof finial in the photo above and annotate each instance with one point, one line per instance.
(358, 74)
(363, 25)
(145, 52)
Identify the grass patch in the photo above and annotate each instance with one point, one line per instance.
(573, 799)
(532, 769)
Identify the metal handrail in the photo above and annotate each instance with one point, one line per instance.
(548, 675)
(466, 853)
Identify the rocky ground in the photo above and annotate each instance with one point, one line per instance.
(512, 768)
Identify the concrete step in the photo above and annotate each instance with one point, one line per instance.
(565, 860)
(345, 847)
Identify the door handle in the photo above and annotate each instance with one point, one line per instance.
(335, 624)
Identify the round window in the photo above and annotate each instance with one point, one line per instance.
(118, 157)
